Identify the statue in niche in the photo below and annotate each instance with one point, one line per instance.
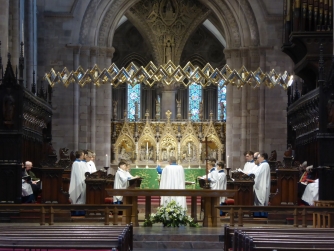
(142, 154)
(157, 109)
(114, 105)
(150, 155)
(169, 43)
(8, 108)
(168, 12)
(171, 153)
(164, 155)
(330, 109)
(200, 114)
(214, 154)
(178, 114)
(273, 156)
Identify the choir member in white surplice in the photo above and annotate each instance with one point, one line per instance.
(77, 190)
(262, 181)
(249, 165)
(172, 177)
(311, 193)
(121, 181)
(90, 162)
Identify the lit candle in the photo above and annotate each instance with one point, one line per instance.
(106, 160)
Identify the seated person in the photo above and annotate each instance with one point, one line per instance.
(27, 193)
(34, 182)
(311, 193)
(305, 178)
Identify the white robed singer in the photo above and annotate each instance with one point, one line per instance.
(77, 190)
(218, 182)
(121, 181)
(262, 184)
(311, 193)
(172, 177)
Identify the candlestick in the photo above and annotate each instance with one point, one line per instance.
(106, 165)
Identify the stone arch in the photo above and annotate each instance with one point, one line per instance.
(236, 17)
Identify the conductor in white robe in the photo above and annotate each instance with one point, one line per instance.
(77, 190)
(262, 181)
(172, 177)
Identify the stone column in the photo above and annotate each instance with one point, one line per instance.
(76, 98)
(102, 110)
(15, 46)
(229, 114)
(262, 105)
(29, 41)
(244, 112)
(93, 105)
(4, 14)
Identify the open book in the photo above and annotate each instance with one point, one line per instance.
(239, 170)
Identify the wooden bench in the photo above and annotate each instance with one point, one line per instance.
(67, 237)
(270, 238)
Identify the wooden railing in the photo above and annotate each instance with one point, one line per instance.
(296, 212)
(49, 210)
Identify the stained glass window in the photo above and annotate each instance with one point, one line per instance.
(221, 100)
(195, 97)
(133, 97)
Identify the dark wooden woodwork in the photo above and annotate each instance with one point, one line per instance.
(23, 120)
(286, 194)
(96, 184)
(51, 185)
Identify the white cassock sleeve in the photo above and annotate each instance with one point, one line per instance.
(91, 167)
(248, 167)
(218, 182)
(172, 177)
(77, 190)
(121, 182)
(311, 193)
(262, 183)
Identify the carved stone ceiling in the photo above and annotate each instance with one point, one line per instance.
(167, 24)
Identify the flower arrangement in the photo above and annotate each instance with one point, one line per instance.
(172, 215)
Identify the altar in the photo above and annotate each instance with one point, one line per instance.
(151, 177)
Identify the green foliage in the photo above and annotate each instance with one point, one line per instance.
(171, 215)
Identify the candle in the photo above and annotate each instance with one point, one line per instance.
(147, 147)
(227, 161)
(189, 148)
(106, 161)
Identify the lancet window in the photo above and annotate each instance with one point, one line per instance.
(133, 94)
(195, 97)
(221, 100)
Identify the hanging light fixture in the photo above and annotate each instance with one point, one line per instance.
(169, 74)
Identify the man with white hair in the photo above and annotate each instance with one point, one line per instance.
(34, 181)
(172, 177)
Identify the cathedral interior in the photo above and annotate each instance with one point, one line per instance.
(143, 80)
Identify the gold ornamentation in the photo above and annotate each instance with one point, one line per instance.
(169, 74)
